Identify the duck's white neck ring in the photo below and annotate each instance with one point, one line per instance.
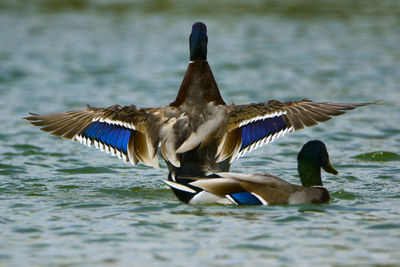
(193, 61)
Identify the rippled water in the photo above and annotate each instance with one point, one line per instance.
(65, 204)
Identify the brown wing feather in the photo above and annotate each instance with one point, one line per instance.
(230, 145)
(270, 188)
(131, 150)
(143, 142)
(144, 150)
(296, 114)
(295, 110)
(63, 123)
(310, 113)
(302, 115)
(292, 119)
(219, 186)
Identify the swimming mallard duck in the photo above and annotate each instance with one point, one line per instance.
(260, 188)
(198, 133)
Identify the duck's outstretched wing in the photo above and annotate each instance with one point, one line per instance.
(251, 126)
(128, 132)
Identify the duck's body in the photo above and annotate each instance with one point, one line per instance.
(259, 188)
(198, 133)
(246, 189)
(197, 115)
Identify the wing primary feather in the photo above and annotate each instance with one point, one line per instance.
(293, 120)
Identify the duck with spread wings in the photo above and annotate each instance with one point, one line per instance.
(198, 133)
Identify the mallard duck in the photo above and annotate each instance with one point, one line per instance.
(260, 188)
(198, 133)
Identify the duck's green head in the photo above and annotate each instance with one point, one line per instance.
(198, 42)
(311, 158)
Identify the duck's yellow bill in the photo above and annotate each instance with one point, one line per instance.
(329, 168)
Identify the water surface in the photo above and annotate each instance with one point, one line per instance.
(63, 204)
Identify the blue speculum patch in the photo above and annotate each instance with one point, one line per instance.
(255, 131)
(111, 135)
(245, 198)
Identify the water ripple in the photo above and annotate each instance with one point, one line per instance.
(378, 156)
(63, 204)
(86, 170)
(385, 226)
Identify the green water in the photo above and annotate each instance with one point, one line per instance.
(63, 204)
